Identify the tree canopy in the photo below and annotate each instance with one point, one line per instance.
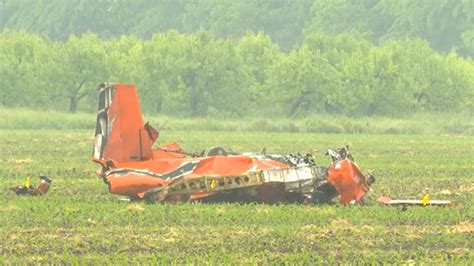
(201, 74)
(445, 24)
(239, 58)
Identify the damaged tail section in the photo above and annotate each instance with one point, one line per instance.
(120, 134)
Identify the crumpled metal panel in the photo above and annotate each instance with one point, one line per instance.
(348, 180)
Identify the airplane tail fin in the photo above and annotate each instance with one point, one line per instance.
(120, 134)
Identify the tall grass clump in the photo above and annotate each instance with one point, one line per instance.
(424, 124)
(34, 119)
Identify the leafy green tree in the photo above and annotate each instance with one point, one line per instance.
(202, 75)
(124, 60)
(191, 74)
(347, 56)
(78, 65)
(442, 22)
(446, 24)
(21, 56)
(339, 16)
(259, 54)
(300, 81)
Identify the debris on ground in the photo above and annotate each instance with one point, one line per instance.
(426, 201)
(28, 189)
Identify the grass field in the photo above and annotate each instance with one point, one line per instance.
(416, 124)
(79, 222)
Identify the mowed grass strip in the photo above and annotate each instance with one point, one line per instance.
(80, 222)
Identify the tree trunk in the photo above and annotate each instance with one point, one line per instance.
(73, 104)
(298, 102)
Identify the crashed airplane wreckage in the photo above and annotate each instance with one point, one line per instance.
(131, 167)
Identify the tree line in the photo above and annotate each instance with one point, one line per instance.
(445, 24)
(201, 75)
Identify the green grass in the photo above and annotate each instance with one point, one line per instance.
(425, 124)
(78, 222)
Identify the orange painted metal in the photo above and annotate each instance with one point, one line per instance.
(134, 184)
(128, 140)
(348, 180)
